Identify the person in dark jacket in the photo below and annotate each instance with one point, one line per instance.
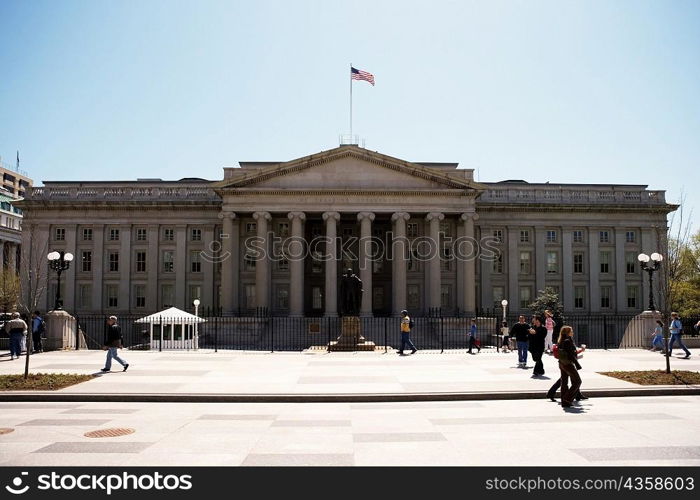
(520, 331)
(569, 366)
(538, 336)
(38, 331)
(555, 387)
(113, 341)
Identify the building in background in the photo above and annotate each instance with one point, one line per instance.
(15, 184)
(15, 181)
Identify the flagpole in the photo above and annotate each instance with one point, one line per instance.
(350, 102)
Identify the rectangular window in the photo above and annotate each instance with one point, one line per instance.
(632, 292)
(316, 262)
(282, 297)
(578, 262)
(283, 229)
(316, 298)
(412, 229)
(140, 295)
(631, 236)
(196, 235)
(446, 260)
(87, 234)
(525, 262)
(251, 227)
(196, 261)
(525, 297)
(578, 236)
(283, 263)
(497, 264)
(445, 296)
(604, 262)
(604, 236)
(250, 296)
(445, 228)
(86, 261)
(168, 234)
(168, 261)
(551, 236)
(114, 234)
(498, 235)
(524, 236)
(59, 234)
(605, 297)
(249, 260)
(195, 293)
(413, 297)
(141, 234)
(112, 294)
(141, 261)
(497, 296)
(167, 295)
(413, 260)
(113, 262)
(85, 296)
(631, 262)
(552, 262)
(579, 297)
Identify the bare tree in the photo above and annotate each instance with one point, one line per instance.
(34, 271)
(9, 289)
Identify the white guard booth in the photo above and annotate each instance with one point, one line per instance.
(173, 329)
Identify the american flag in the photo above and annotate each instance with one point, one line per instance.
(357, 74)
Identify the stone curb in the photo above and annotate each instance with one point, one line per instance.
(329, 398)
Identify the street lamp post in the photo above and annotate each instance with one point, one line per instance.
(59, 262)
(196, 323)
(644, 259)
(504, 304)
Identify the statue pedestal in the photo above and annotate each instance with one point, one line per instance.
(351, 338)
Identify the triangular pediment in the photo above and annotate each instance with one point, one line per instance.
(347, 168)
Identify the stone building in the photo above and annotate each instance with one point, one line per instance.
(143, 245)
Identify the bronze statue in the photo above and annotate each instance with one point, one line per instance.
(350, 294)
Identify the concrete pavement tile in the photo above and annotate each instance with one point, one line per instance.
(99, 411)
(639, 453)
(308, 459)
(65, 421)
(397, 437)
(312, 423)
(238, 417)
(94, 447)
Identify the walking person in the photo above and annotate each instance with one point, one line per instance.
(555, 387)
(549, 325)
(569, 366)
(38, 331)
(406, 325)
(657, 341)
(505, 345)
(538, 335)
(473, 340)
(676, 329)
(17, 330)
(113, 342)
(520, 331)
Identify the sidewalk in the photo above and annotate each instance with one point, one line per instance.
(208, 376)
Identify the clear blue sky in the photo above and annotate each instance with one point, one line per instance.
(586, 91)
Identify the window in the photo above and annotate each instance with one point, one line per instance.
(86, 261)
(578, 236)
(446, 259)
(85, 296)
(114, 234)
(141, 234)
(283, 229)
(249, 260)
(631, 236)
(316, 298)
(168, 261)
(316, 262)
(578, 262)
(497, 264)
(631, 262)
(140, 295)
(497, 296)
(141, 261)
(250, 296)
(632, 292)
(167, 295)
(282, 297)
(552, 262)
(525, 297)
(604, 262)
(195, 293)
(112, 294)
(604, 236)
(168, 234)
(412, 229)
(525, 262)
(498, 235)
(579, 297)
(551, 236)
(196, 261)
(251, 227)
(196, 235)
(113, 262)
(605, 297)
(87, 234)
(445, 296)
(59, 234)
(413, 260)
(524, 236)
(283, 263)
(445, 228)
(413, 297)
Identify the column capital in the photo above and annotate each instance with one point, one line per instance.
(434, 215)
(331, 215)
(296, 215)
(262, 215)
(469, 215)
(400, 215)
(225, 214)
(365, 215)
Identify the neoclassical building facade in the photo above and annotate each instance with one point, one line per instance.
(278, 236)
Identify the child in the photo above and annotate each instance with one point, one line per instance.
(506, 337)
(657, 342)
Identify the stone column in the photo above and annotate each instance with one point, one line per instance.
(12, 256)
(181, 267)
(366, 219)
(331, 219)
(540, 261)
(567, 259)
(433, 275)
(98, 252)
(620, 271)
(486, 268)
(399, 250)
(207, 298)
(124, 269)
(296, 264)
(262, 264)
(593, 271)
(68, 295)
(229, 265)
(513, 261)
(153, 268)
(468, 267)
(648, 247)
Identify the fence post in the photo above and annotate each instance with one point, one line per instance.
(77, 332)
(216, 337)
(328, 329)
(386, 347)
(271, 331)
(160, 344)
(442, 335)
(605, 333)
